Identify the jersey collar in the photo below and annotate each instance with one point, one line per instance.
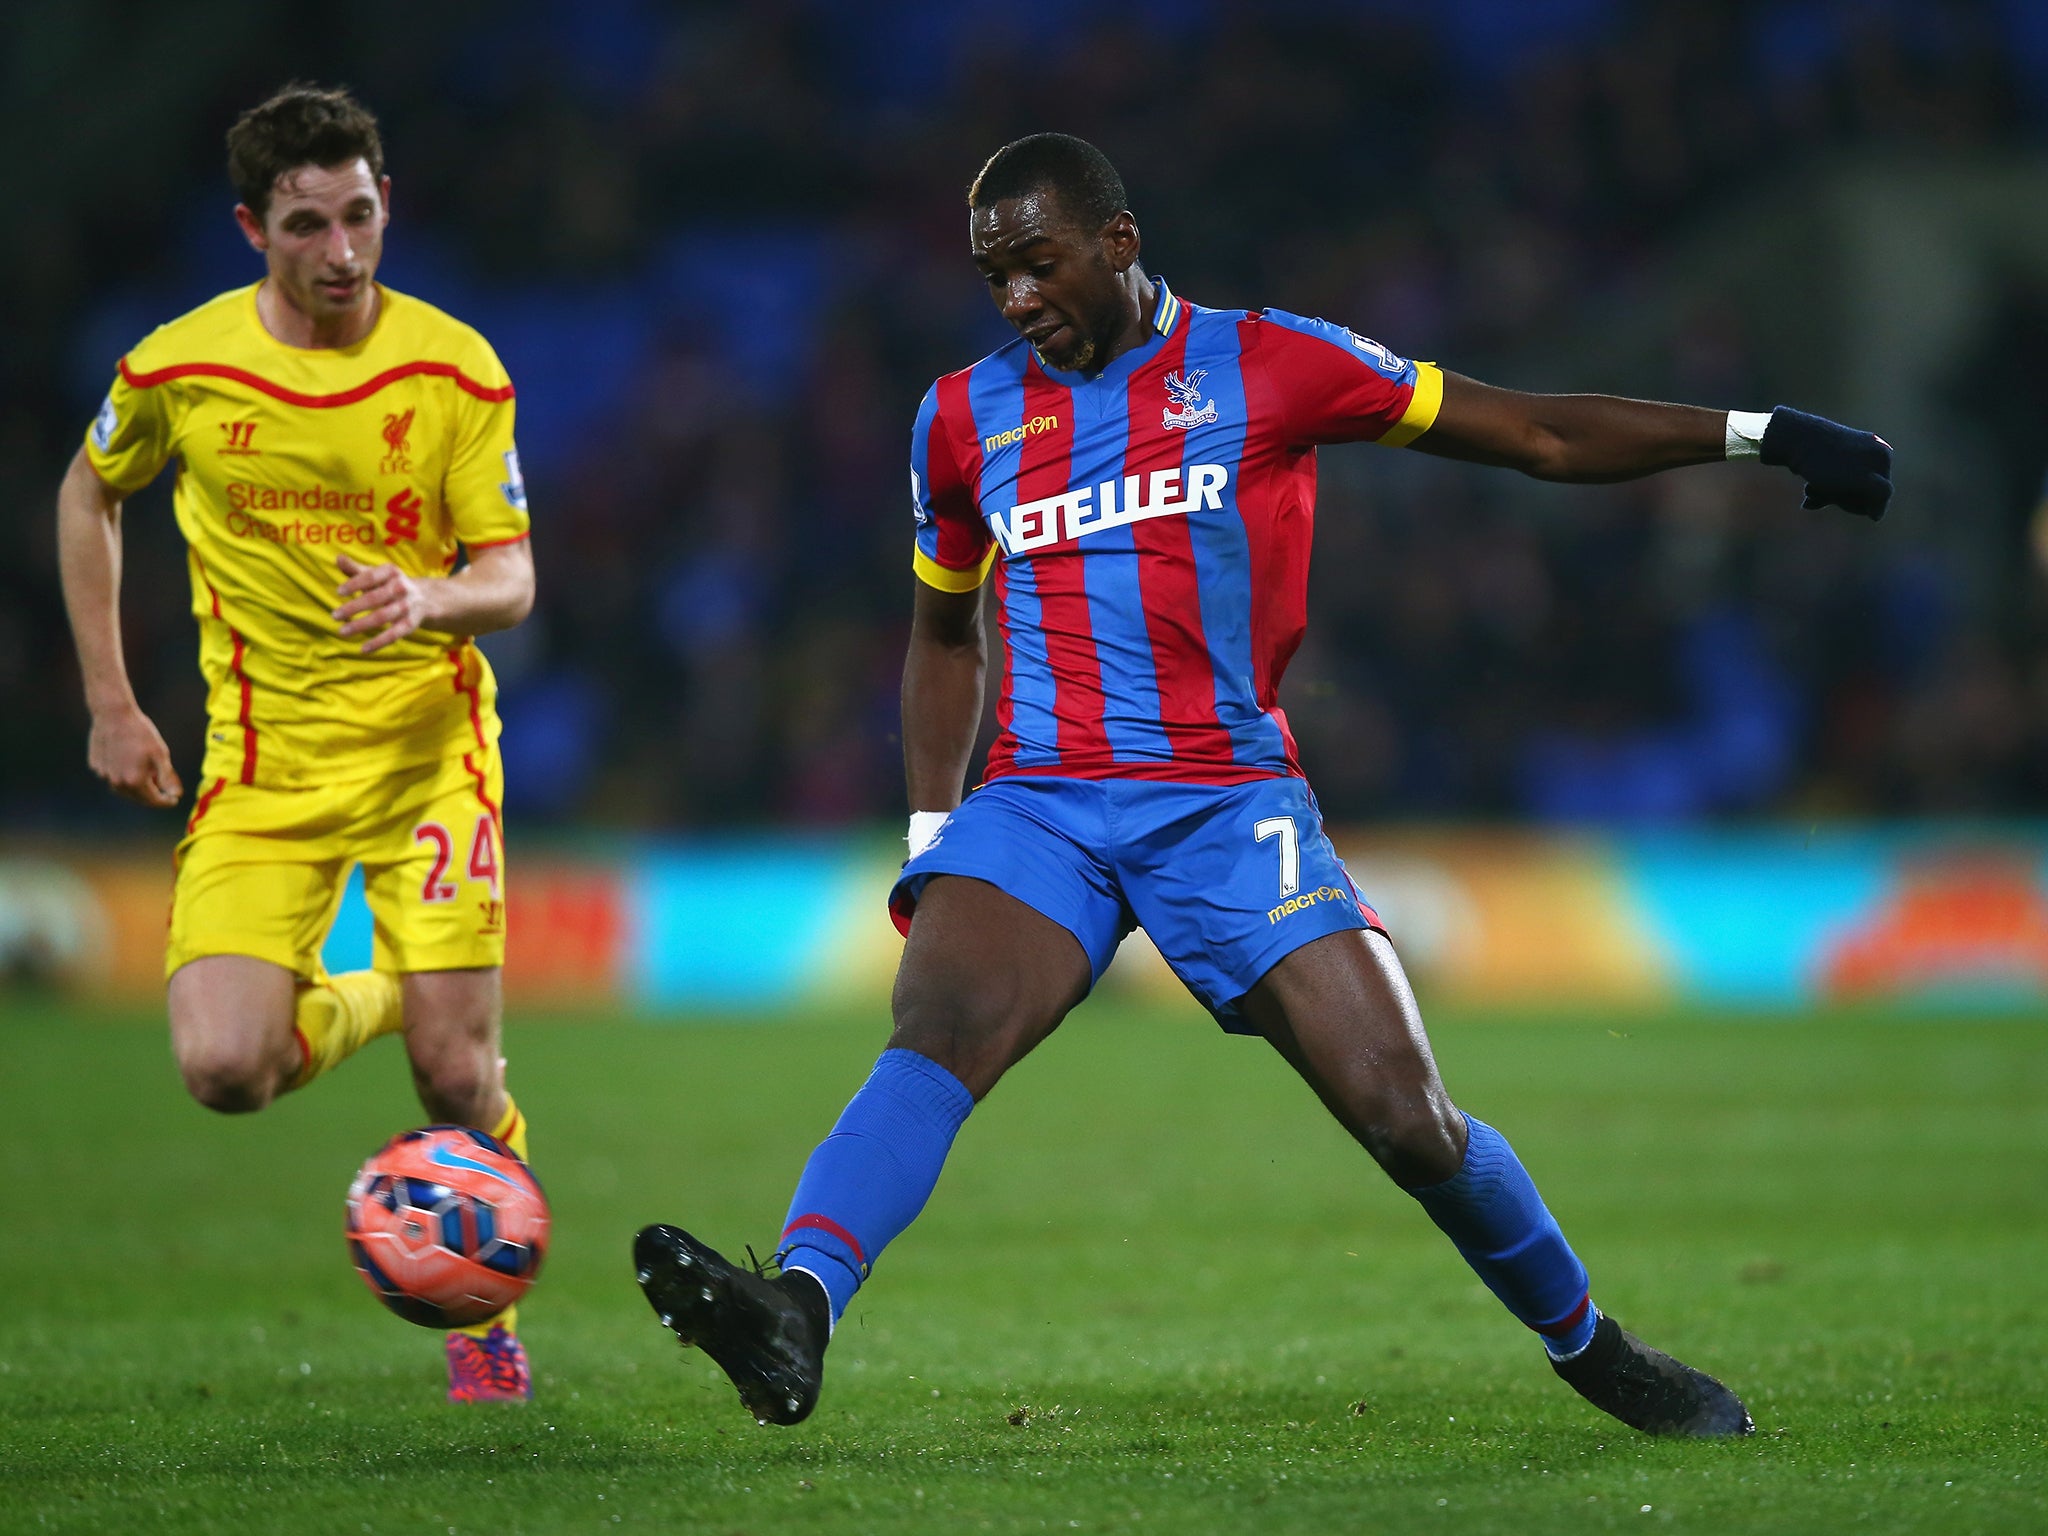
(1166, 308)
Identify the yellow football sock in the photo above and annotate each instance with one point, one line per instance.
(510, 1129)
(340, 1016)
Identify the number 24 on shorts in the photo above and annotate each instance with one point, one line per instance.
(483, 857)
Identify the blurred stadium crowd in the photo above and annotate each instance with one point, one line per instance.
(722, 251)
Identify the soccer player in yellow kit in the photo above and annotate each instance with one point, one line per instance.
(340, 448)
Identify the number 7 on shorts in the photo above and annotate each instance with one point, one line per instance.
(1283, 828)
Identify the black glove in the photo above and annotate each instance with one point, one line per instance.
(1841, 466)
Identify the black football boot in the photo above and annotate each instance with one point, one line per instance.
(1648, 1390)
(767, 1334)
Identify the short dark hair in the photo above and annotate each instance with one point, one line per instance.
(302, 124)
(1079, 174)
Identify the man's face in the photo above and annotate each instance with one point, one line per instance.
(1056, 282)
(322, 236)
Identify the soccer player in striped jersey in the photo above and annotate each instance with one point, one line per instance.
(1137, 473)
(342, 449)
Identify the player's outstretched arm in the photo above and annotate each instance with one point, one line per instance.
(493, 592)
(1592, 439)
(125, 748)
(942, 683)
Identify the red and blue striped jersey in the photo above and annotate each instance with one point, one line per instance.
(1149, 530)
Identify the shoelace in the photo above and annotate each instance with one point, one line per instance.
(472, 1365)
(486, 1362)
(502, 1354)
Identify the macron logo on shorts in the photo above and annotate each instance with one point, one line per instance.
(1304, 901)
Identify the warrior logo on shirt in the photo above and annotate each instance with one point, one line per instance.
(1185, 390)
(396, 428)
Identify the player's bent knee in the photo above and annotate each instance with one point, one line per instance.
(456, 1086)
(453, 1096)
(230, 1083)
(936, 1033)
(973, 1033)
(1418, 1140)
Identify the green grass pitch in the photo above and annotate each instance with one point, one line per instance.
(1156, 1291)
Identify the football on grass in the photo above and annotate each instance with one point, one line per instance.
(447, 1226)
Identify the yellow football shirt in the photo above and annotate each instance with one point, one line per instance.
(395, 450)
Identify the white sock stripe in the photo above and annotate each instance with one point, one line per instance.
(1593, 1313)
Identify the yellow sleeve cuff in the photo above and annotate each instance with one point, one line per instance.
(1423, 405)
(110, 467)
(933, 574)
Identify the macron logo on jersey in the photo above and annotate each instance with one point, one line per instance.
(1086, 509)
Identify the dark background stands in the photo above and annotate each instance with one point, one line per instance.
(722, 250)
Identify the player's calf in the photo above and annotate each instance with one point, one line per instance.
(1492, 1214)
(452, 1038)
(1491, 1211)
(232, 1082)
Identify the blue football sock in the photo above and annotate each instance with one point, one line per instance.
(868, 1180)
(1490, 1210)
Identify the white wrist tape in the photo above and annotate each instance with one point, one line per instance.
(1745, 438)
(924, 826)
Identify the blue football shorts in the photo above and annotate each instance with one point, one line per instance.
(1227, 879)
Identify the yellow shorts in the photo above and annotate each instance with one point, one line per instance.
(261, 871)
